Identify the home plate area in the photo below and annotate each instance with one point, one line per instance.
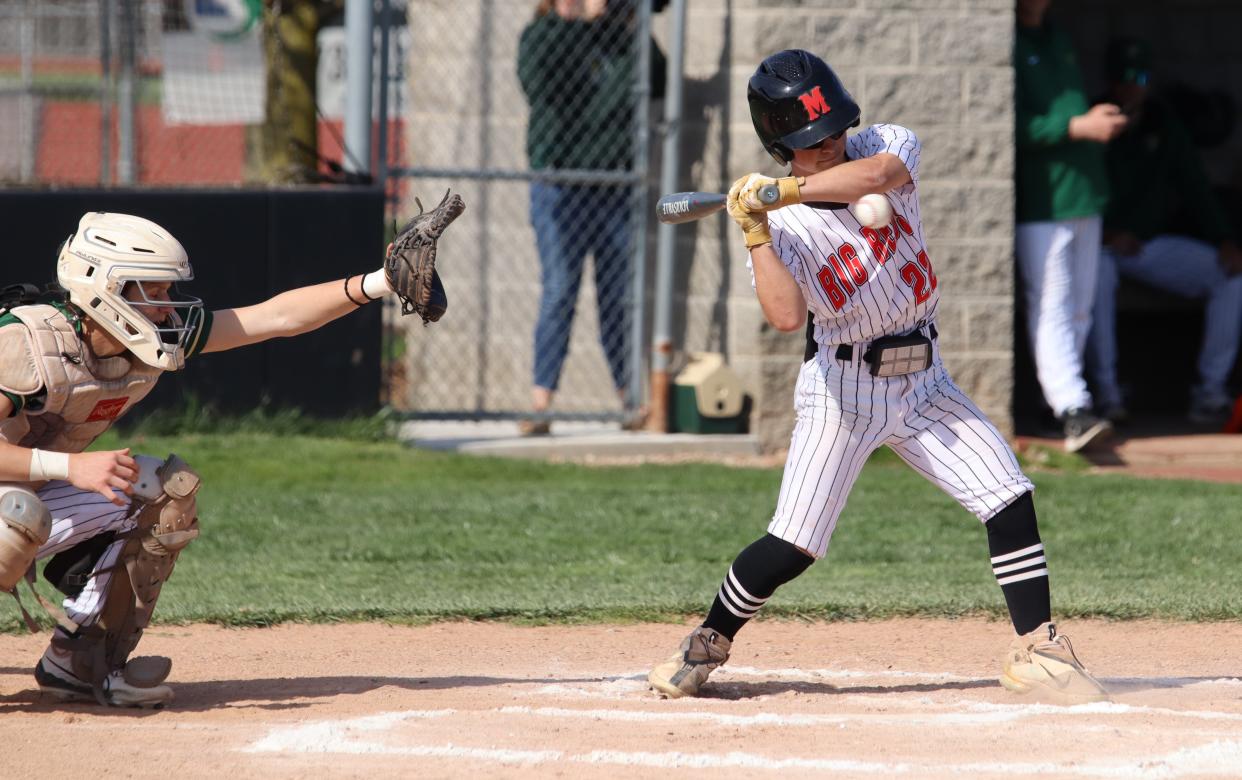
(912, 698)
(893, 723)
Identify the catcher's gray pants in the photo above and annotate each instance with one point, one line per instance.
(844, 414)
(78, 515)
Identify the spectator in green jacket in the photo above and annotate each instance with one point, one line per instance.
(1061, 191)
(1165, 228)
(577, 64)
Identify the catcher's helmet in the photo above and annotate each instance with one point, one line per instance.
(109, 251)
(796, 101)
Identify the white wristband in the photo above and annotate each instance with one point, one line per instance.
(45, 464)
(375, 285)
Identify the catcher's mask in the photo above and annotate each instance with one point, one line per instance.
(112, 255)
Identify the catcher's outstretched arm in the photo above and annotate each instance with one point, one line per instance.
(409, 270)
(290, 313)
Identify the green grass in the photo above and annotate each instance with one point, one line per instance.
(310, 528)
(192, 416)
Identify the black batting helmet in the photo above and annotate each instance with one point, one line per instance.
(796, 101)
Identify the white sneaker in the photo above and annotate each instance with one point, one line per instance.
(55, 676)
(688, 668)
(1043, 663)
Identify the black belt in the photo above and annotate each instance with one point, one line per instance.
(845, 352)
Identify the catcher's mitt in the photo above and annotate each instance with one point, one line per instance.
(410, 267)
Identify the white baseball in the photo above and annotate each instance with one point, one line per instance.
(873, 211)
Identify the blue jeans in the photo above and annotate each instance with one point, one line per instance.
(1184, 267)
(571, 220)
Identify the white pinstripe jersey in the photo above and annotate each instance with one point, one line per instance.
(860, 283)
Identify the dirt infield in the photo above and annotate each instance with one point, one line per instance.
(914, 698)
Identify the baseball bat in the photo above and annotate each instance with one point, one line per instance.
(688, 206)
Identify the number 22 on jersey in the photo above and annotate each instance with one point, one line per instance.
(845, 272)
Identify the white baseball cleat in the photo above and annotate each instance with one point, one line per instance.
(56, 678)
(1043, 663)
(688, 668)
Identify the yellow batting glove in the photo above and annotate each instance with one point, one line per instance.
(754, 224)
(789, 188)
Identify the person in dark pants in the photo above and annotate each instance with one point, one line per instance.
(1165, 228)
(576, 64)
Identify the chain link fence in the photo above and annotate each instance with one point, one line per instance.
(167, 92)
(536, 111)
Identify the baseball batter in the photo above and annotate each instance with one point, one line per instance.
(70, 365)
(875, 377)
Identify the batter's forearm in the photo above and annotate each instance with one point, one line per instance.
(779, 295)
(849, 181)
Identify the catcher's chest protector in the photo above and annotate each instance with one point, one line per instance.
(85, 394)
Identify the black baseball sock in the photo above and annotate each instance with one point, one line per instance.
(1019, 565)
(755, 575)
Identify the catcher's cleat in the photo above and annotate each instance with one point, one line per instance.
(688, 668)
(55, 678)
(1043, 662)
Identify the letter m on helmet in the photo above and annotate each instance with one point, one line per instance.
(814, 103)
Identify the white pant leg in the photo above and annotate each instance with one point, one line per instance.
(1084, 275)
(948, 440)
(1058, 265)
(1102, 343)
(842, 415)
(78, 515)
(1191, 268)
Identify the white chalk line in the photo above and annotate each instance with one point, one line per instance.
(746, 721)
(1035, 709)
(728, 671)
(625, 685)
(840, 674)
(342, 737)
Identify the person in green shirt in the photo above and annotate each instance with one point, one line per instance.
(1163, 227)
(576, 64)
(1061, 191)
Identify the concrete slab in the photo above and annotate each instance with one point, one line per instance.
(570, 441)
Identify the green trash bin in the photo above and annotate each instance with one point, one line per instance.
(707, 397)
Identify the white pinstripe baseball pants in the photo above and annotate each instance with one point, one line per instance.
(78, 515)
(843, 414)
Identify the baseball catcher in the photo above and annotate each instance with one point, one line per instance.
(72, 362)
